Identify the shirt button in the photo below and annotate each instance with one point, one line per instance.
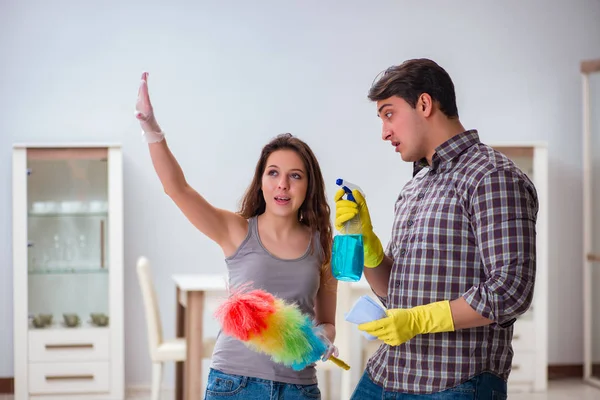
(402, 252)
(397, 283)
(411, 222)
(420, 196)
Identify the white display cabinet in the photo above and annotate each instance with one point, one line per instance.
(68, 271)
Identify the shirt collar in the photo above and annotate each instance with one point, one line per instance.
(448, 150)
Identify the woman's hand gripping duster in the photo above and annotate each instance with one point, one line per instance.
(269, 325)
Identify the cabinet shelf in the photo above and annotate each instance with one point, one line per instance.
(67, 214)
(62, 327)
(67, 271)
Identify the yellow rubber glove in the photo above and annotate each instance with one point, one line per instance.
(402, 324)
(345, 210)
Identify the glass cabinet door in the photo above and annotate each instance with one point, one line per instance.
(67, 225)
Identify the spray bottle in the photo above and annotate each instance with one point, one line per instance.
(347, 258)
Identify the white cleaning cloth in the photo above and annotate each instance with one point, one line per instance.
(365, 309)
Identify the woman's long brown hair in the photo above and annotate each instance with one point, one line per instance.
(315, 211)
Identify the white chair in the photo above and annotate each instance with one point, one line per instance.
(161, 350)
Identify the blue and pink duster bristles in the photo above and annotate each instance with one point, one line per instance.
(269, 325)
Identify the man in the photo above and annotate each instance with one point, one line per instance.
(460, 265)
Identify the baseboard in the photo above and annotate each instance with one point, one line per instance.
(7, 385)
(564, 371)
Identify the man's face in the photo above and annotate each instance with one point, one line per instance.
(402, 126)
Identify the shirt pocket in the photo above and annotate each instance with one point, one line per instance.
(443, 221)
(442, 200)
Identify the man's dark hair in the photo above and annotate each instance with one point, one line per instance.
(411, 79)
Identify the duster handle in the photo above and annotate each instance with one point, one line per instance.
(339, 363)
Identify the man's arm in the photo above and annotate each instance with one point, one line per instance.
(464, 316)
(503, 212)
(379, 277)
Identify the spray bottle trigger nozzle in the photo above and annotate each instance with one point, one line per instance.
(349, 194)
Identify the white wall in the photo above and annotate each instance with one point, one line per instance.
(226, 76)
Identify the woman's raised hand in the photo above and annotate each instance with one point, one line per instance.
(145, 114)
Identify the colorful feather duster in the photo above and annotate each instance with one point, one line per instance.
(269, 325)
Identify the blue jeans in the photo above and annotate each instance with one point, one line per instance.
(235, 387)
(484, 386)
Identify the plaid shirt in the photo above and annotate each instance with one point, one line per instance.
(464, 226)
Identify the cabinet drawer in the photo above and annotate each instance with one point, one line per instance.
(65, 378)
(524, 336)
(523, 367)
(58, 345)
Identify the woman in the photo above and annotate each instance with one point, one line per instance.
(280, 241)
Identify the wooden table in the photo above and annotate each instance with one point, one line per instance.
(191, 290)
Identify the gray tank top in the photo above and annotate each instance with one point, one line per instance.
(294, 280)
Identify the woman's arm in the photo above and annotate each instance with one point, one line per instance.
(326, 303)
(224, 227)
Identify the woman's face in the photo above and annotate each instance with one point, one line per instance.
(284, 183)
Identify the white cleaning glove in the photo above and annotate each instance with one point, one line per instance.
(331, 350)
(151, 131)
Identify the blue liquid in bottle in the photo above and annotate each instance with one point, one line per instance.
(348, 257)
(347, 254)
